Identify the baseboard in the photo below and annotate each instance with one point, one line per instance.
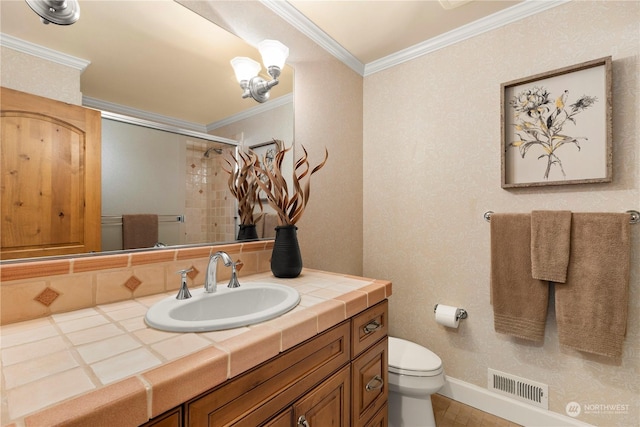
(504, 407)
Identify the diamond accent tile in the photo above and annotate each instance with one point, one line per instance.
(47, 297)
(193, 273)
(132, 283)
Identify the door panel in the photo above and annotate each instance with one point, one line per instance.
(50, 179)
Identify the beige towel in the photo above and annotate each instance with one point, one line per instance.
(139, 231)
(519, 301)
(591, 307)
(550, 234)
(270, 224)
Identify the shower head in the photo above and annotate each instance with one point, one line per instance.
(217, 150)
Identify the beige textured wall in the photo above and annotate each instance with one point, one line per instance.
(432, 168)
(328, 113)
(28, 73)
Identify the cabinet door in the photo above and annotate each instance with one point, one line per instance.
(50, 162)
(370, 383)
(326, 406)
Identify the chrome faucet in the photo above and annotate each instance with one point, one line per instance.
(210, 280)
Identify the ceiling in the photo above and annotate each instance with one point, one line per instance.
(158, 51)
(372, 30)
(152, 55)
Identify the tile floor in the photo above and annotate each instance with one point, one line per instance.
(450, 413)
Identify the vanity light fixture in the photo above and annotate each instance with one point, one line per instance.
(274, 54)
(61, 12)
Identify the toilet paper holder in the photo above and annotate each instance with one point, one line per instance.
(461, 313)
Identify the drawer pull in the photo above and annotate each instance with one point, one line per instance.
(372, 327)
(376, 383)
(302, 422)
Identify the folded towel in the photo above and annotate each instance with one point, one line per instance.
(591, 307)
(139, 231)
(519, 301)
(550, 233)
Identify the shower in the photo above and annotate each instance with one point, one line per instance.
(217, 150)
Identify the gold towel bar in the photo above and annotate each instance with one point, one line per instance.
(635, 216)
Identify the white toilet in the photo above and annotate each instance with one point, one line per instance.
(415, 373)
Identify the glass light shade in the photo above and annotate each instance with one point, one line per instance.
(273, 53)
(245, 68)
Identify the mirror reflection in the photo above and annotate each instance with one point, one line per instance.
(180, 78)
(163, 188)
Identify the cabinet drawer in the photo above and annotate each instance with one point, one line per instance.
(370, 383)
(252, 398)
(284, 419)
(368, 327)
(381, 419)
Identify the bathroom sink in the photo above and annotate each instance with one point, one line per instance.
(224, 309)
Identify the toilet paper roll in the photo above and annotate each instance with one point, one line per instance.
(447, 315)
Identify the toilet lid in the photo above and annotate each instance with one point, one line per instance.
(409, 358)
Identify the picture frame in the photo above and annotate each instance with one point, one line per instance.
(557, 127)
(266, 151)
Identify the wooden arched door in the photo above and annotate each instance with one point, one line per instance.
(50, 177)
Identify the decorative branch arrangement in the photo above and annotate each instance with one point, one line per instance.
(243, 185)
(289, 208)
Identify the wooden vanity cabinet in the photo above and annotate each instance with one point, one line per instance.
(369, 372)
(256, 396)
(336, 379)
(172, 418)
(327, 405)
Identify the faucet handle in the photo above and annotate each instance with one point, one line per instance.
(235, 267)
(183, 293)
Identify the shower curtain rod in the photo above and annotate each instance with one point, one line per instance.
(634, 216)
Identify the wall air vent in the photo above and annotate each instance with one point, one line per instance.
(522, 389)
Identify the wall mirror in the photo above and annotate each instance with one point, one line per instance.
(159, 62)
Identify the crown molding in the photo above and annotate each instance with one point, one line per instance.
(112, 107)
(519, 11)
(42, 52)
(140, 116)
(258, 109)
(491, 22)
(300, 22)
(165, 127)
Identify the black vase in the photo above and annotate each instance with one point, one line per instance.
(286, 261)
(247, 232)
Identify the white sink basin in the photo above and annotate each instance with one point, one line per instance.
(224, 309)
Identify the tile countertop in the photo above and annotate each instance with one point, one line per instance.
(104, 366)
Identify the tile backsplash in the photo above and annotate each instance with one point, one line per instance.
(29, 290)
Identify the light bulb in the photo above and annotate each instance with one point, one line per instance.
(274, 53)
(245, 68)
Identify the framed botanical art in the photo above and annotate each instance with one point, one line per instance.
(556, 127)
(266, 153)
